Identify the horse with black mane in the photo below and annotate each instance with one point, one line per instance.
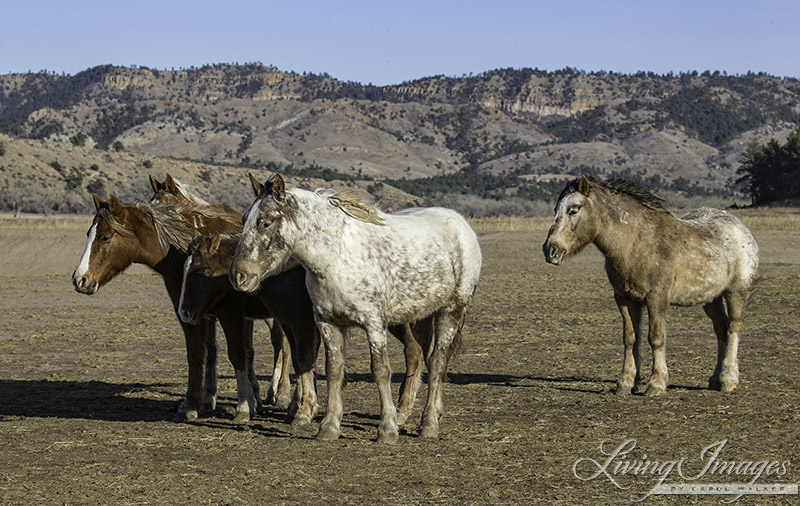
(654, 259)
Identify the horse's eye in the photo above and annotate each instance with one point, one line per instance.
(105, 238)
(572, 211)
(264, 224)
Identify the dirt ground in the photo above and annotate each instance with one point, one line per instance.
(89, 386)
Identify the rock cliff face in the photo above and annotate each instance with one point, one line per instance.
(525, 122)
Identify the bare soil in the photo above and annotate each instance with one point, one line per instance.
(89, 386)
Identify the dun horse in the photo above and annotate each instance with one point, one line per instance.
(206, 281)
(173, 192)
(369, 269)
(157, 236)
(653, 260)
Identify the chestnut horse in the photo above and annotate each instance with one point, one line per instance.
(157, 236)
(172, 191)
(654, 259)
(285, 294)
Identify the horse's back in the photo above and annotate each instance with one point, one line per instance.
(445, 230)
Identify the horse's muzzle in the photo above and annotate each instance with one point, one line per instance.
(554, 254)
(82, 285)
(242, 281)
(188, 316)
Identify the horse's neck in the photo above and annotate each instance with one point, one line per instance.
(619, 218)
(321, 236)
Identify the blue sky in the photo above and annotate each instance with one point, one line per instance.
(384, 42)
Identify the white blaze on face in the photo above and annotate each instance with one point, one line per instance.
(564, 204)
(83, 263)
(186, 265)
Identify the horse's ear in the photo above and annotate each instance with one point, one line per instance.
(583, 186)
(98, 203)
(255, 184)
(214, 246)
(278, 188)
(114, 205)
(169, 184)
(153, 183)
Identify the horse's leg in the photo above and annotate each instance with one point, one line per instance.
(330, 428)
(279, 393)
(382, 374)
(716, 311)
(729, 372)
(631, 312)
(414, 359)
(210, 382)
(238, 331)
(303, 336)
(195, 337)
(446, 326)
(251, 370)
(657, 306)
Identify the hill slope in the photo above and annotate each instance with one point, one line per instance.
(515, 129)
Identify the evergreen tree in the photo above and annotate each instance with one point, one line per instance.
(771, 172)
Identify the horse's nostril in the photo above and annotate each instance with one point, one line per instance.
(241, 278)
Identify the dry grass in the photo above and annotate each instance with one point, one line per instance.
(766, 219)
(25, 221)
(784, 218)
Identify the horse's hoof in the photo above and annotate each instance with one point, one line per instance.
(622, 390)
(387, 437)
(728, 386)
(402, 418)
(299, 420)
(327, 434)
(654, 390)
(428, 431)
(241, 417)
(186, 416)
(282, 402)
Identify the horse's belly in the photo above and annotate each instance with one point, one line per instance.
(700, 288)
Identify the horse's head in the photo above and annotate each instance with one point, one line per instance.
(205, 275)
(266, 241)
(574, 225)
(172, 191)
(111, 246)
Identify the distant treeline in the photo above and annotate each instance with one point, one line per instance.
(770, 172)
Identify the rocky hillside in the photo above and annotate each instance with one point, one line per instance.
(500, 135)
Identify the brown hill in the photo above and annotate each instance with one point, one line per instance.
(526, 125)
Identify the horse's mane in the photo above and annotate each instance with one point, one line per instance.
(642, 195)
(624, 187)
(189, 194)
(170, 225)
(352, 205)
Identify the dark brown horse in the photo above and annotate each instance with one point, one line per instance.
(158, 236)
(172, 191)
(654, 259)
